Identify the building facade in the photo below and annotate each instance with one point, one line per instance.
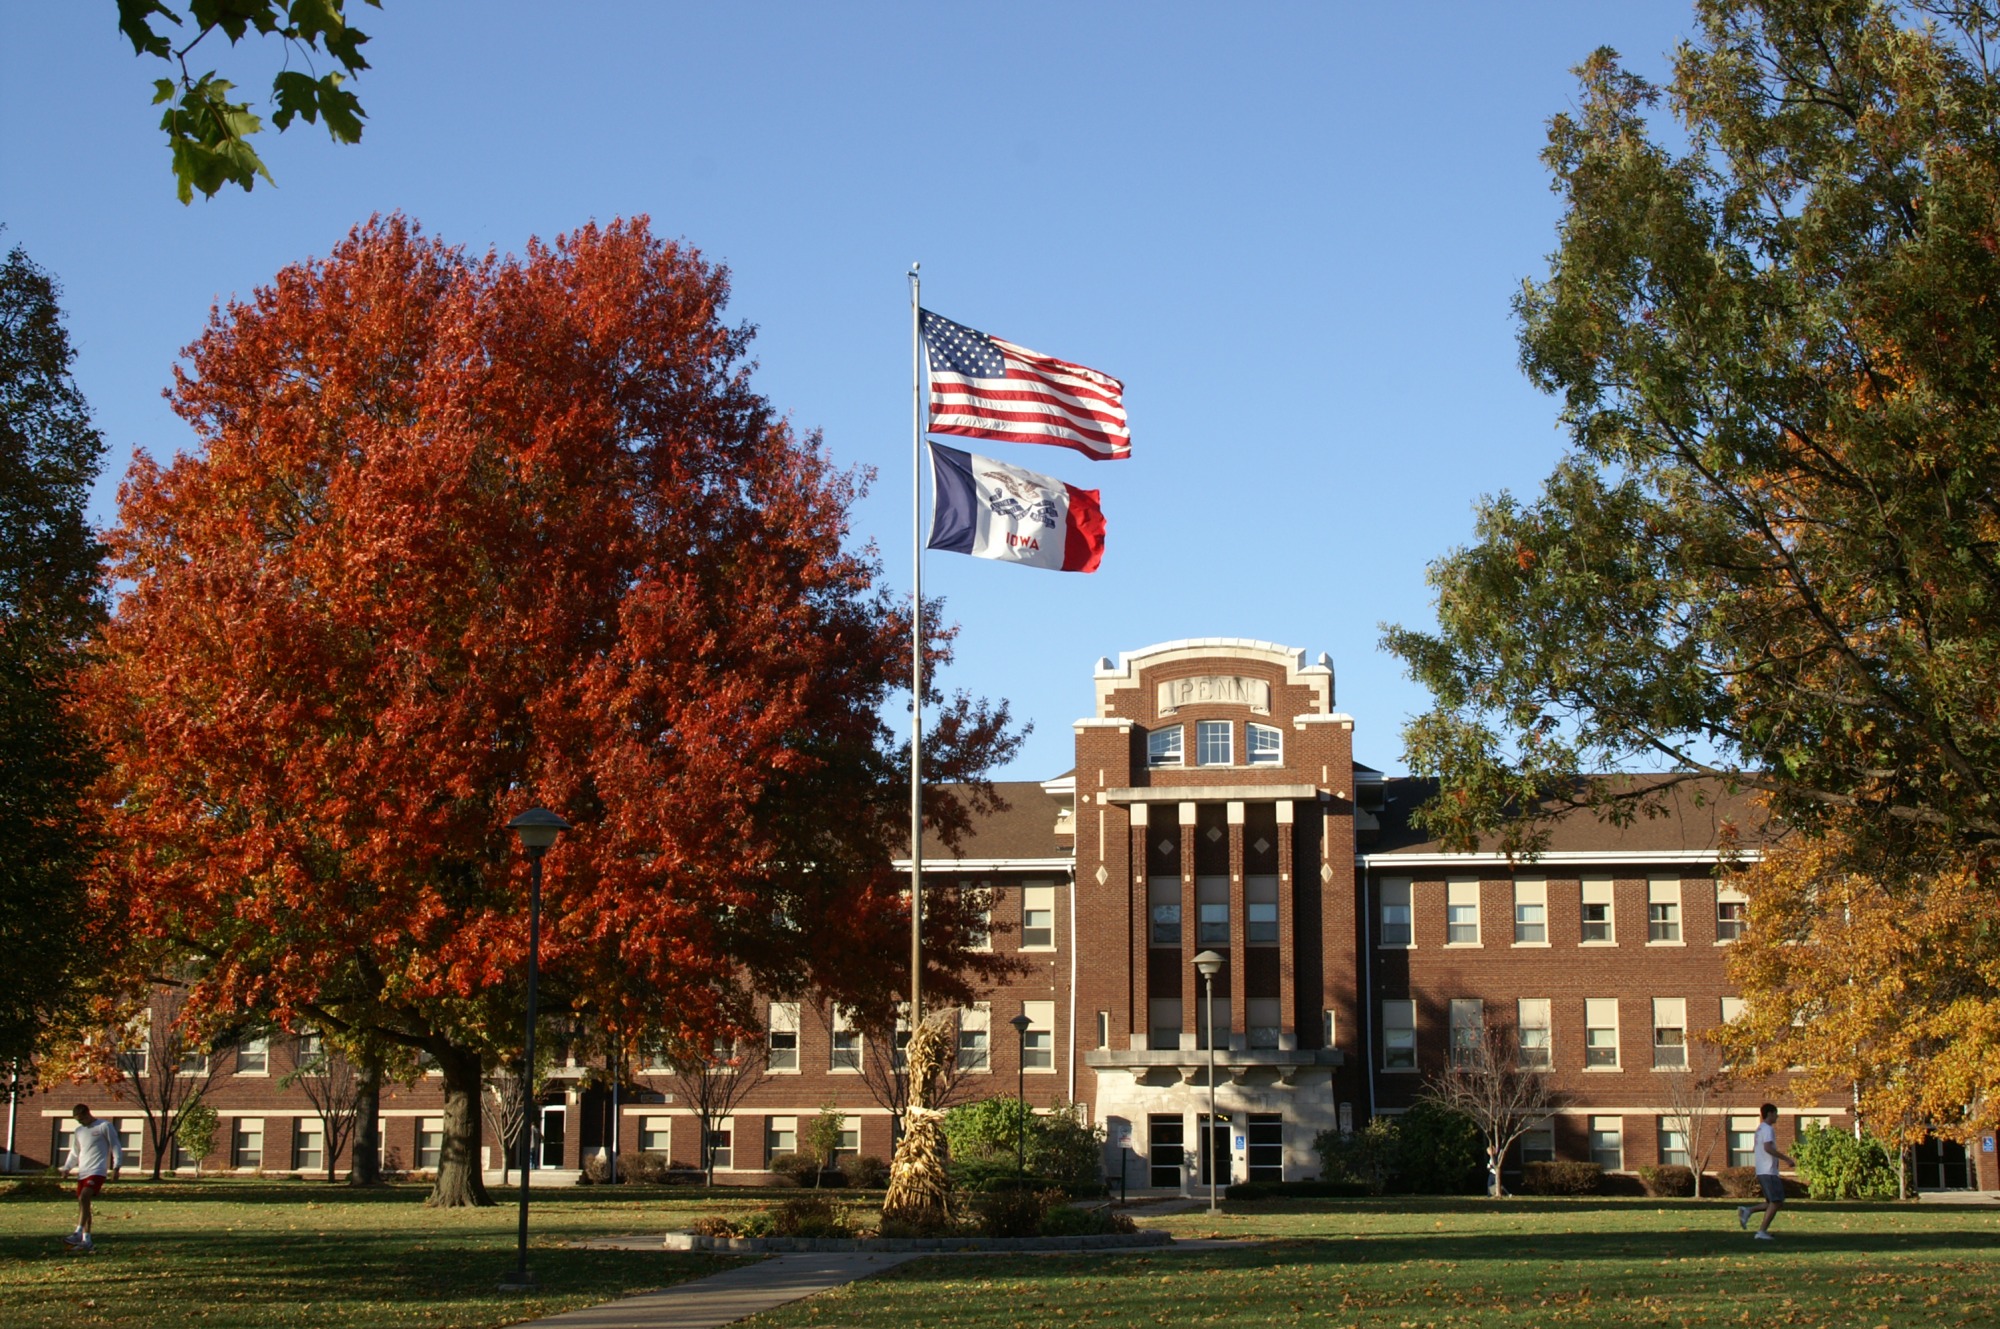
(1215, 805)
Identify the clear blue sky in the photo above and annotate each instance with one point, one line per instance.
(1293, 230)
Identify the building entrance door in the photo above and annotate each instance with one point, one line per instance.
(1166, 1148)
(1215, 1145)
(1266, 1153)
(551, 1152)
(1941, 1165)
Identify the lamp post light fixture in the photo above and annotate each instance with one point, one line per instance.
(1021, 1025)
(1208, 964)
(537, 829)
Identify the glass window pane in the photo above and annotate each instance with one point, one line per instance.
(1163, 747)
(1214, 740)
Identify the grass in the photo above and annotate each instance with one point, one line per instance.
(1470, 1264)
(291, 1254)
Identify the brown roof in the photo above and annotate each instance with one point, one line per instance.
(1692, 816)
(1025, 828)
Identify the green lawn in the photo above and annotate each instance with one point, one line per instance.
(284, 1254)
(1428, 1264)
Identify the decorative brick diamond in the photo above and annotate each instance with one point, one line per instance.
(1214, 834)
(1102, 877)
(1262, 846)
(1166, 846)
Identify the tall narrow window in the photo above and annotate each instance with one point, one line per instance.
(1399, 1035)
(1673, 1144)
(1163, 904)
(1531, 911)
(1600, 1033)
(1468, 1030)
(430, 1141)
(1669, 1032)
(308, 1145)
(1743, 1142)
(1663, 910)
(1214, 743)
(781, 1136)
(1267, 745)
(1732, 912)
(974, 1026)
(1532, 1024)
(782, 1047)
(1607, 1142)
(1260, 909)
(1396, 911)
(1461, 912)
(721, 1144)
(1104, 1029)
(249, 1144)
(1599, 927)
(1163, 747)
(846, 1050)
(1038, 1045)
(1038, 918)
(1211, 896)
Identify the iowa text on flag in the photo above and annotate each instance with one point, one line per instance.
(983, 387)
(988, 509)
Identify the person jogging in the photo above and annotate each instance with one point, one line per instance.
(1768, 1158)
(94, 1152)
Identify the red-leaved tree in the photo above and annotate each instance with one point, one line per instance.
(462, 535)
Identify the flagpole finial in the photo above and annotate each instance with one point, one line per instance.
(914, 266)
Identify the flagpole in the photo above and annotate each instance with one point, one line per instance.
(916, 652)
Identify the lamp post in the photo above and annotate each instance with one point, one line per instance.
(537, 829)
(1208, 964)
(1021, 1025)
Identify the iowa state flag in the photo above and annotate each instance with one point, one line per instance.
(989, 509)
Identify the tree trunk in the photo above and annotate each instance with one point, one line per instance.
(364, 1166)
(161, 1144)
(459, 1183)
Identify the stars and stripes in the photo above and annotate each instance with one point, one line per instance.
(983, 387)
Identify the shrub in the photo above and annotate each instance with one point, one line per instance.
(803, 1170)
(1345, 1188)
(1063, 1147)
(868, 1172)
(811, 1216)
(1015, 1212)
(1439, 1152)
(1668, 1181)
(596, 1171)
(1561, 1179)
(1739, 1183)
(986, 1131)
(1836, 1166)
(195, 1130)
(1366, 1157)
(649, 1169)
(1067, 1220)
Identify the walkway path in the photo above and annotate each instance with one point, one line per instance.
(731, 1295)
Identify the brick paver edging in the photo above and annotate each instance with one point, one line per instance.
(688, 1241)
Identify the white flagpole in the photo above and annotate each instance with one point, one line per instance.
(916, 653)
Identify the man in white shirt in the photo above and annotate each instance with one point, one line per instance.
(1767, 1158)
(94, 1152)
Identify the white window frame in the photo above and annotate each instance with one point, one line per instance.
(1396, 913)
(1531, 911)
(303, 1129)
(1597, 890)
(656, 1136)
(782, 1018)
(1468, 1029)
(975, 1039)
(1205, 734)
(1600, 1129)
(1260, 910)
(257, 1050)
(1672, 1141)
(1727, 897)
(1535, 1033)
(1038, 899)
(1740, 1141)
(1264, 744)
(1670, 1018)
(241, 1128)
(1039, 1059)
(1167, 747)
(1461, 894)
(844, 1050)
(429, 1128)
(1538, 1142)
(725, 1128)
(1595, 1013)
(1663, 912)
(775, 1129)
(1399, 1036)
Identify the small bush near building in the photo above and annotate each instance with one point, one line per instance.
(801, 1170)
(811, 1216)
(1836, 1166)
(1668, 1181)
(1561, 1179)
(1366, 1157)
(1739, 1183)
(1429, 1150)
(868, 1172)
(1016, 1212)
(987, 1138)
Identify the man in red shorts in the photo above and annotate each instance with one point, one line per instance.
(94, 1152)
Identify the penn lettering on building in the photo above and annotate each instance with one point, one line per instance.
(1215, 803)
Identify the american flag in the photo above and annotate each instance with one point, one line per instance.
(984, 387)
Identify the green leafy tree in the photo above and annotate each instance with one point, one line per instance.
(1773, 553)
(208, 130)
(195, 1129)
(1837, 1166)
(821, 1138)
(49, 604)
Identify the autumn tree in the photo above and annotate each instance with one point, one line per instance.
(1770, 556)
(1695, 1103)
(49, 455)
(327, 1078)
(161, 1064)
(712, 1077)
(465, 534)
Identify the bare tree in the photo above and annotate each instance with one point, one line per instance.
(885, 1071)
(1489, 1080)
(506, 1110)
(327, 1079)
(164, 1068)
(1695, 1105)
(713, 1080)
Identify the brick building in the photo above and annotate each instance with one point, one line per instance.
(1216, 804)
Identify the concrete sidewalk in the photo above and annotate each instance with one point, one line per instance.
(728, 1296)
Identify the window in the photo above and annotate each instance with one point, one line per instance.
(1663, 910)
(973, 1027)
(721, 1150)
(311, 1046)
(1396, 912)
(1743, 1142)
(1673, 1145)
(1531, 912)
(1104, 1029)
(1260, 909)
(656, 1136)
(1607, 1142)
(1038, 1044)
(128, 1141)
(1038, 918)
(1802, 1124)
(782, 1047)
(1265, 1146)
(781, 1136)
(900, 1053)
(1600, 1033)
(1163, 902)
(430, 1141)
(1399, 1035)
(1211, 902)
(138, 1038)
(1461, 912)
(979, 931)
(194, 1063)
(1538, 1142)
(1166, 1149)
(1599, 928)
(1163, 747)
(1732, 912)
(1214, 743)
(1732, 1009)
(849, 1142)
(1329, 1028)
(845, 1054)
(1669, 1033)
(1532, 1016)
(1468, 1029)
(1223, 1021)
(1261, 1014)
(246, 1145)
(1267, 745)
(1163, 1024)
(253, 1056)
(308, 1146)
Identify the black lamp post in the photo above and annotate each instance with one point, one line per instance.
(537, 829)
(1208, 964)
(1021, 1025)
